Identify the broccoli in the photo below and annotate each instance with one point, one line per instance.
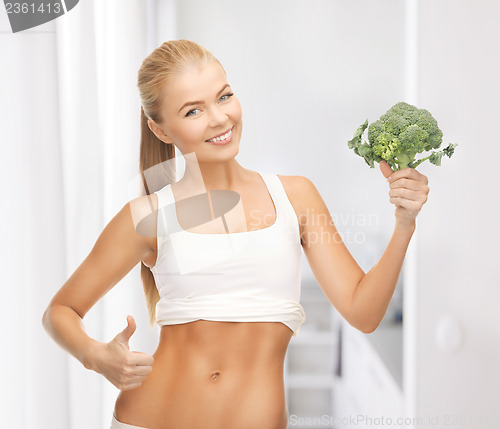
(398, 136)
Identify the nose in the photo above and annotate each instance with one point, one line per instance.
(218, 116)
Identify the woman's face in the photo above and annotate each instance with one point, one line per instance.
(198, 105)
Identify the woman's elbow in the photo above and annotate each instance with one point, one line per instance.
(46, 318)
(364, 326)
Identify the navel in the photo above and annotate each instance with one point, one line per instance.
(215, 375)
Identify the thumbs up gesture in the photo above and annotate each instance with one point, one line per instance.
(125, 369)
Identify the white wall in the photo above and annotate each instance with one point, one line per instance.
(459, 69)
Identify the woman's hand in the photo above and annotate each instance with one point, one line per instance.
(125, 369)
(408, 190)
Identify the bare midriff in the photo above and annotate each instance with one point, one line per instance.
(212, 375)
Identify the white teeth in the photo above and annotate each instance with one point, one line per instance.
(224, 137)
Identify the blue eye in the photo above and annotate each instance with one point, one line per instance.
(188, 113)
(230, 94)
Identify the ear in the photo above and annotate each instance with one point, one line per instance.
(158, 132)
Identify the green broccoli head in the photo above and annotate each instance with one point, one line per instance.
(398, 136)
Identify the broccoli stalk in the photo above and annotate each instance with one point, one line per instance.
(435, 157)
(398, 136)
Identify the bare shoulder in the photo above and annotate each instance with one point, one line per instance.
(302, 195)
(136, 221)
(300, 191)
(144, 212)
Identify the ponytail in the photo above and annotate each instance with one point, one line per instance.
(152, 152)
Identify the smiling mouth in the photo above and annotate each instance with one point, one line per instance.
(224, 136)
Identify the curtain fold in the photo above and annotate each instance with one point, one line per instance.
(69, 157)
(83, 168)
(33, 388)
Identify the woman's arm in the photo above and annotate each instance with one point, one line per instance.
(373, 294)
(118, 249)
(362, 299)
(66, 328)
(408, 191)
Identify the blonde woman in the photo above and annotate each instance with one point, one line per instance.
(220, 254)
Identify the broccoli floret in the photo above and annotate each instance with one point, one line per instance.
(398, 136)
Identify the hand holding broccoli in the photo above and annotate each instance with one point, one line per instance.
(394, 141)
(398, 136)
(408, 191)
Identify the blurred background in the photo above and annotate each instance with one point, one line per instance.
(307, 74)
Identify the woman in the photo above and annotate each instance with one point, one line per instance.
(220, 262)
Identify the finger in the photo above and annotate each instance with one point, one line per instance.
(142, 371)
(137, 378)
(124, 336)
(410, 205)
(139, 358)
(409, 172)
(385, 168)
(131, 386)
(405, 182)
(419, 176)
(409, 194)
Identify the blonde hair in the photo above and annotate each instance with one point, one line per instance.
(158, 68)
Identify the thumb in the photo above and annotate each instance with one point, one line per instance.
(125, 335)
(385, 169)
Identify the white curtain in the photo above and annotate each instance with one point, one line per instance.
(69, 141)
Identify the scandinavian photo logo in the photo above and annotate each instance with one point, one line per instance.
(29, 14)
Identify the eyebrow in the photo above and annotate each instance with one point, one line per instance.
(189, 103)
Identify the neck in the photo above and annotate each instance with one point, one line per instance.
(215, 175)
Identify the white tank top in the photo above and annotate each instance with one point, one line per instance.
(252, 276)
